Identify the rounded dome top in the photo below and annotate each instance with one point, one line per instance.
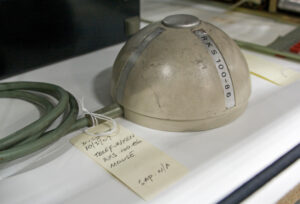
(181, 74)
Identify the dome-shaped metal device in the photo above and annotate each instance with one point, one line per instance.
(181, 74)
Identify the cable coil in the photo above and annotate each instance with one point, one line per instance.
(36, 135)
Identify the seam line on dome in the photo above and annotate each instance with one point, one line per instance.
(132, 60)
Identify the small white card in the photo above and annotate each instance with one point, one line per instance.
(271, 71)
(142, 167)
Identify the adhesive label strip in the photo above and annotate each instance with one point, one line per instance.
(139, 165)
(221, 67)
(132, 60)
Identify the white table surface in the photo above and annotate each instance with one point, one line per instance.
(219, 160)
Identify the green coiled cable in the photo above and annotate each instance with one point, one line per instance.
(36, 135)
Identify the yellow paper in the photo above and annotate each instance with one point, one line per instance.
(270, 71)
(143, 168)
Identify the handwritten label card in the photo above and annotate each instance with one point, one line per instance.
(143, 168)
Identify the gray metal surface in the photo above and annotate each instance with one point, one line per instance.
(283, 43)
(290, 5)
(181, 21)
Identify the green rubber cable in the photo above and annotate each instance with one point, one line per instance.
(36, 135)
